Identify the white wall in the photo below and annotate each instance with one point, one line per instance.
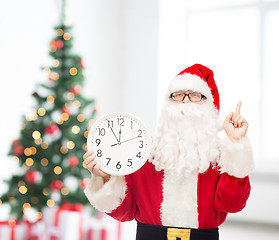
(26, 29)
(119, 41)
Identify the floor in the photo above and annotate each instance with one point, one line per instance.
(244, 231)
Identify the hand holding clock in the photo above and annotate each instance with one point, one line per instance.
(93, 166)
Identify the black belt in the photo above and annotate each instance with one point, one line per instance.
(156, 232)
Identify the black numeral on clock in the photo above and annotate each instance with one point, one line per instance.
(102, 131)
(120, 122)
(130, 163)
(140, 132)
(118, 165)
(108, 161)
(99, 153)
(110, 123)
(98, 141)
(141, 144)
(138, 155)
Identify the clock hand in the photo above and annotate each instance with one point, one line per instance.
(120, 133)
(124, 141)
(129, 139)
(115, 144)
(114, 135)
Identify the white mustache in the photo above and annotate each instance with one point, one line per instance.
(178, 111)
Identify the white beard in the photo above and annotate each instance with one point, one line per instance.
(186, 140)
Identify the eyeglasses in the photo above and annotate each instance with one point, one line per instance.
(193, 96)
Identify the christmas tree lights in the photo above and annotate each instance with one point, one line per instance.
(53, 136)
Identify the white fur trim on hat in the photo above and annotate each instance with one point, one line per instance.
(106, 196)
(192, 82)
(236, 157)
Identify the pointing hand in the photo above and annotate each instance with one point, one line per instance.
(235, 125)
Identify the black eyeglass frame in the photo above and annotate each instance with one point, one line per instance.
(188, 95)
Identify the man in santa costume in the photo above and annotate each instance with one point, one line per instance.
(193, 179)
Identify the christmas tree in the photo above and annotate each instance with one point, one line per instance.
(53, 138)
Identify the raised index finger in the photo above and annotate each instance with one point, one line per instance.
(238, 106)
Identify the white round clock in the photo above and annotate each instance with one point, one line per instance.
(121, 143)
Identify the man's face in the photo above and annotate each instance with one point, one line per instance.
(188, 96)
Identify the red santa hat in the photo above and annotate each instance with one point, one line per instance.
(197, 78)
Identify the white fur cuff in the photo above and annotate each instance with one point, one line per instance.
(106, 196)
(236, 157)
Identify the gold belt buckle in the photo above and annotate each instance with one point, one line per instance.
(174, 233)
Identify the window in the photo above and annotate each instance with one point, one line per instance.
(238, 40)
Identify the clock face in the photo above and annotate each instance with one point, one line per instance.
(121, 143)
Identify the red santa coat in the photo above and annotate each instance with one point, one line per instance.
(197, 200)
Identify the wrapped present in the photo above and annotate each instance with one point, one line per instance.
(24, 230)
(103, 227)
(13, 230)
(35, 230)
(97, 230)
(7, 230)
(101, 234)
(128, 230)
(64, 222)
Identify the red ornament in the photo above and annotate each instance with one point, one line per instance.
(84, 182)
(32, 176)
(66, 110)
(73, 161)
(52, 129)
(76, 89)
(18, 149)
(15, 142)
(81, 64)
(59, 44)
(97, 109)
(56, 185)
